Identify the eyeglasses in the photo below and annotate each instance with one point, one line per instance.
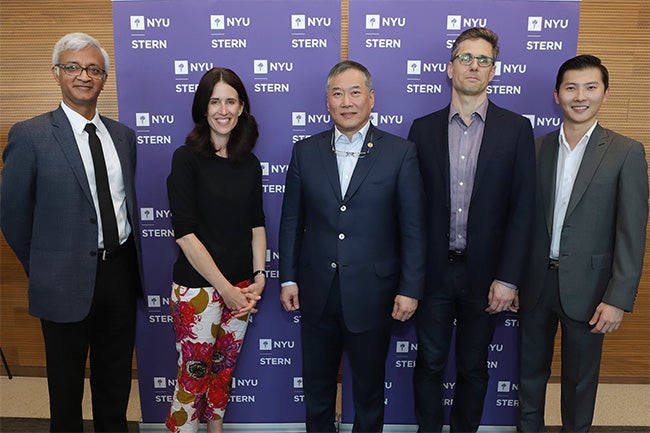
(344, 153)
(467, 59)
(74, 70)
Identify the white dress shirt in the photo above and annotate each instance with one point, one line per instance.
(347, 163)
(113, 167)
(568, 164)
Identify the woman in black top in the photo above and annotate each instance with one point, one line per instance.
(215, 196)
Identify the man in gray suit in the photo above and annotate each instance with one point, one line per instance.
(68, 211)
(587, 251)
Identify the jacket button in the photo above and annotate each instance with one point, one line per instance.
(341, 236)
(333, 265)
(343, 208)
(93, 253)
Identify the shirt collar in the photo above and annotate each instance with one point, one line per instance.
(584, 140)
(362, 132)
(77, 121)
(481, 110)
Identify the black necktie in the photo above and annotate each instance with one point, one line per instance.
(106, 210)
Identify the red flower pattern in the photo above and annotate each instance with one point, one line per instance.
(219, 390)
(194, 372)
(206, 368)
(184, 319)
(226, 350)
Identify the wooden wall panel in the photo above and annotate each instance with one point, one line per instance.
(616, 31)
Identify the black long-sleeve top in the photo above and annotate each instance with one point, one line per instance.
(220, 201)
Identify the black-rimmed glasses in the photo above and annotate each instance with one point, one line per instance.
(74, 70)
(467, 59)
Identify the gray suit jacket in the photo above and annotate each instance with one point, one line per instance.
(603, 235)
(47, 213)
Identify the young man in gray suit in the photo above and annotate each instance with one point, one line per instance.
(351, 248)
(587, 249)
(68, 211)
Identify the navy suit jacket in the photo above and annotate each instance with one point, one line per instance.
(373, 237)
(501, 206)
(603, 234)
(48, 216)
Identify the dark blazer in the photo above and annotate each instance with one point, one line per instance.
(603, 235)
(374, 236)
(48, 216)
(500, 211)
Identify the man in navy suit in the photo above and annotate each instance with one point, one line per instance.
(351, 248)
(82, 262)
(478, 168)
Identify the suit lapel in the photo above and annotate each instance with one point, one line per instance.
(489, 142)
(64, 136)
(329, 162)
(547, 168)
(123, 151)
(364, 164)
(596, 148)
(440, 154)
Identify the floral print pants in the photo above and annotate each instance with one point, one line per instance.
(208, 340)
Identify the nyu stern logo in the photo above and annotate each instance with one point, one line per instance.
(458, 22)
(302, 21)
(140, 22)
(184, 67)
(148, 119)
(264, 66)
(220, 22)
(302, 118)
(418, 67)
(267, 344)
(150, 214)
(376, 21)
(539, 23)
(378, 119)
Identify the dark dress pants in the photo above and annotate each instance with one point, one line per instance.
(323, 342)
(474, 331)
(581, 354)
(109, 333)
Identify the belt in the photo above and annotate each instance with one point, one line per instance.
(104, 255)
(456, 256)
(553, 264)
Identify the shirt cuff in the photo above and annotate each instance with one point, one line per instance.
(509, 285)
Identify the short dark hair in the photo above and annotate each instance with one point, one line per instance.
(477, 33)
(583, 61)
(243, 137)
(344, 66)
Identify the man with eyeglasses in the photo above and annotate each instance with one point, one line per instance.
(478, 168)
(351, 249)
(68, 211)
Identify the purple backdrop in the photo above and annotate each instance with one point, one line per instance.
(406, 46)
(282, 50)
